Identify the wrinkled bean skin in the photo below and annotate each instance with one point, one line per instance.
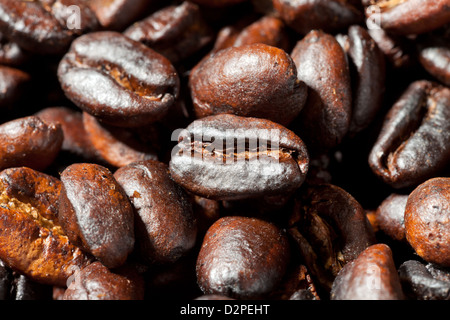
(411, 16)
(30, 186)
(96, 214)
(29, 142)
(254, 80)
(323, 214)
(44, 26)
(421, 284)
(413, 144)
(165, 224)
(427, 221)
(28, 218)
(202, 166)
(370, 68)
(329, 16)
(390, 216)
(96, 282)
(371, 276)
(141, 84)
(322, 65)
(181, 25)
(117, 146)
(242, 258)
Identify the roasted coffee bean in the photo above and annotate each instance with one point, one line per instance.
(217, 3)
(419, 282)
(117, 146)
(11, 54)
(97, 282)
(413, 144)
(268, 30)
(213, 297)
(118, 80)
(76, 140)
(30, 142)
(226, 157)
(165, 224)
(254, 80)
(96, 214)
(46, 27)
(434, 56)
(329, 16)
(118, 14)
(31, 238)
(15, 286)
(13, 83)
(242, 258)
(297, 284)
(322, 65)
(176, 32)
(427, 221)
(398, 51)
(330, 228)
(371, 276)
(38, 189)
(390, 216)
(408, 17)
(369, 77)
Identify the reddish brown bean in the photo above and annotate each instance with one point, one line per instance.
(427, 220)
(29, 142)
(372, 276)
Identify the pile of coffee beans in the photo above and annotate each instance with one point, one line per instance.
(225, 150)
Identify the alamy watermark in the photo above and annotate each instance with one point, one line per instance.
(373, 14)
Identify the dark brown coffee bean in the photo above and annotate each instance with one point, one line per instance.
(434, 56)
(141, 84)
(97, 282)
(115, 145)
(409, 16)
(420, 284)
(13, 84)
(165, 224)
(329, 16)
(217, 3)
(372, 276)
(427, 221)
(31, 239)
(369, 78)
(398, 50)
(11, 54)
(412, 144)
(330, 228)
(29, 142)
(268, 30)
(46, 27)
(176, 32)
(96, 214)
(118, 14)
(76, 140)
(254, 80)
(242, 258)
(322, 65)
(226, 157)
(390, 216)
